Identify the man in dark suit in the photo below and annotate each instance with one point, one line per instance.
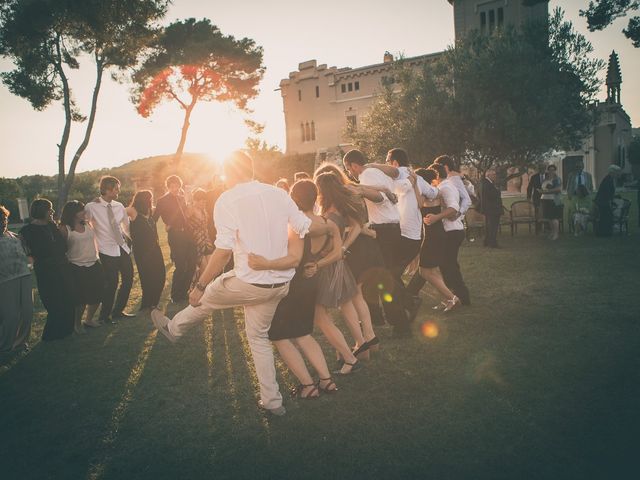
(491, 207)
(533, 190)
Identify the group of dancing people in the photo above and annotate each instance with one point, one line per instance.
(334, 241)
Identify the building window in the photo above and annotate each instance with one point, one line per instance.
(492, 20)
(352, 125)
(299, 95)
(302, 130)
(500, 17)
(313, 131)
(343, 88)
(356, 86)
(350, 87)
(483, 21)
(307, 132)
(317, 91)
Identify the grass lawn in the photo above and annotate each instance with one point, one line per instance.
(539, 378)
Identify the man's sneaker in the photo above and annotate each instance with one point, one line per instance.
(278, 411)
(161, 322)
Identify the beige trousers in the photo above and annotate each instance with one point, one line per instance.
(259, 304)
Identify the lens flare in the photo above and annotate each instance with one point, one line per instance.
(380, 286)
(387, 297)
(430, 330)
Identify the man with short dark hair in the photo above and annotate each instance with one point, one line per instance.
(384, 218)
(490, 207)
(172, 208)
(110, 222)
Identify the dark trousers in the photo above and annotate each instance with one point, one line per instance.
(183, 255)
(491, 226)
(451, 269)
(604, 224)
(392, 294)
(152, 276)
(112, 267)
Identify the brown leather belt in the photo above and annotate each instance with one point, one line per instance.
(269, 285)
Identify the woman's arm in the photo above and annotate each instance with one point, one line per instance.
(291, 260)
(64, 231)
(336, 250)
(436, 217)
(132, 213)
(354, 230)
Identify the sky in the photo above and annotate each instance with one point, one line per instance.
(335, 32)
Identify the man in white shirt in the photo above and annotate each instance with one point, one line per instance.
(384, 218)
(110, 222)
(453, 226)
(250, 217)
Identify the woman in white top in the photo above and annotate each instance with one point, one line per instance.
(82, 253)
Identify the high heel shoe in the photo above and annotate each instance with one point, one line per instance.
(327, 388)
(296, 392)
(451, 304)
(373, 344)
(362, 352)
(355, 366)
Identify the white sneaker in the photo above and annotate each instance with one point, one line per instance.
(161, 322)
(278, 411)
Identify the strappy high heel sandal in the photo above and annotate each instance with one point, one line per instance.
(362, 352)
(451, 304)
(296, 392)
(373, 344)
(327, 388)
(355, 366)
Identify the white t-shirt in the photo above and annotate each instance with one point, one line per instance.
(451, 199)
(383, 211)
(254, 217)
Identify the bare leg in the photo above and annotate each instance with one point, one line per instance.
(364, 315)
(434, 277)
(353, 323)
(333, 335)
(91, 311)
(78, 327)
(295, 362)
(555, 229)
(312, 350)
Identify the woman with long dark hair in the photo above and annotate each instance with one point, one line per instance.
(337, 286)
(46, 246)
(146, 249)
(86, 270)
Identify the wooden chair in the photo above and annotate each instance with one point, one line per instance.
(474, 221)
(505, 219)
(522, 212)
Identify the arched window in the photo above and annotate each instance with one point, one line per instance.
(302, 130)
(313, 130)
(307, 132)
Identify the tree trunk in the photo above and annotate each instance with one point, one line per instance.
(62, 146)
(185, 129)
(68, 183)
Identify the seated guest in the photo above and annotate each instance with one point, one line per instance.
(580, 210)
(16, 299)
(292, 323)
(46, 246)
(146, 249)
(86, 270)
(197, 222)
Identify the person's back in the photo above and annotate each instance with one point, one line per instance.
(256, 215)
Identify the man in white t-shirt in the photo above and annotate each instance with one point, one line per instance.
(384, 218)
(250, 217)
(451, 216)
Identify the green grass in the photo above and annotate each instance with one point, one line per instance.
(539, 378)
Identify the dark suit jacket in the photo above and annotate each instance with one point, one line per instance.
(490, 199)
(572, 183)
(606, 192)
(533, 189)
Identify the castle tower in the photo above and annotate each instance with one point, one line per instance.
(487, 15)
(614, 79)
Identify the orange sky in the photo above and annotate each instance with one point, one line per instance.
(335, 32)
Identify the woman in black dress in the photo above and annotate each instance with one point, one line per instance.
(432, 250)
(293, 320)
(146, 249)
(606, 191)
(45, 244)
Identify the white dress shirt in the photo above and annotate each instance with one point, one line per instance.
(97, 215)
(254, 217)
(410, 217)
(451, 199)
(383, 211)
(465, 199)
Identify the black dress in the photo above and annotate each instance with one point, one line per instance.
(604, 221)
(148, 256)
(53, 275)
(294, 316)
(432, 249)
